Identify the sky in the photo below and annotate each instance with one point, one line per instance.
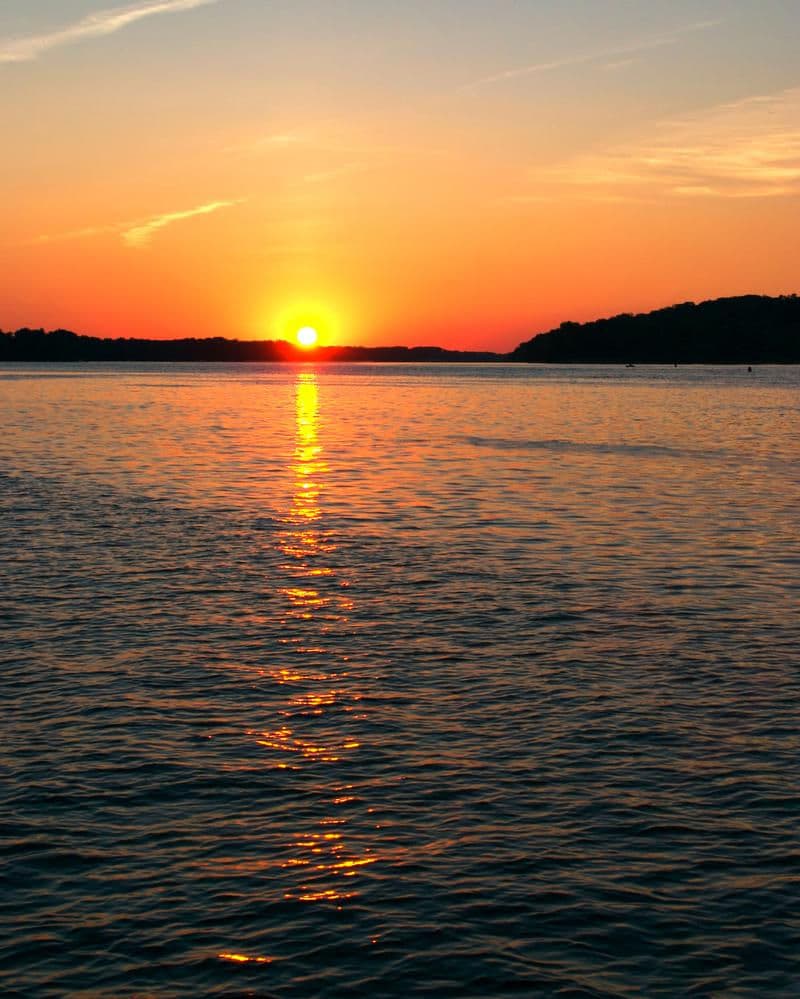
(457, 172)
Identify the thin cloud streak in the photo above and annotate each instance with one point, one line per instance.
(747, 149)
(346, 170)
(308, 142)
(750, 149)
(138, 234)
(85, 233)
(103, 22)
(645, 45)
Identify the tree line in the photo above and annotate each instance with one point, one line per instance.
(64, 345)
(749, 329)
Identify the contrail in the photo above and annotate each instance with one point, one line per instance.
(104, 22)
(670, 38)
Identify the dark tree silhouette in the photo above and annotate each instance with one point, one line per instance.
(751, 329)
(62, 345)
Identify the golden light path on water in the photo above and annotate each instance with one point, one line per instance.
(326, 862)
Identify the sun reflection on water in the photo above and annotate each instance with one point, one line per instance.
(244, 958)
(320, 863)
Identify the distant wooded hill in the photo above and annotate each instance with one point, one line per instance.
(63, 345)
(751, 329)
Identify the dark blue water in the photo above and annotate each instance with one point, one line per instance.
(391, 681)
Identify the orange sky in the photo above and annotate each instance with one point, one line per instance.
(467, 174)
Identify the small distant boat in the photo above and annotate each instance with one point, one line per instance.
(630, 364)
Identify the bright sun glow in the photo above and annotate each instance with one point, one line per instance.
(307, 336)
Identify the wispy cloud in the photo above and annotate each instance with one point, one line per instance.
(103, 22)
(600, 55)
(617, 64)
(746, 149)
(87, 232)
(346, 170)
(326, 142)
(138, 234)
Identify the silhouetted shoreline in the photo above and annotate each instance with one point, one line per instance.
(63, 345)
(750, 329)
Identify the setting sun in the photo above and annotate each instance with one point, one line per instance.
(307, 336)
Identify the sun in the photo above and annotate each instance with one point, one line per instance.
(307, 324)
(307, 336)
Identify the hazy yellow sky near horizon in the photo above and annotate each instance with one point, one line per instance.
(459, 172)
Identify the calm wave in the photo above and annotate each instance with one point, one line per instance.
(400, 680)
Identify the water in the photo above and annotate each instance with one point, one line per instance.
(399, 680)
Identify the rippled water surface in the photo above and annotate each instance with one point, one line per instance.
(399, 680)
